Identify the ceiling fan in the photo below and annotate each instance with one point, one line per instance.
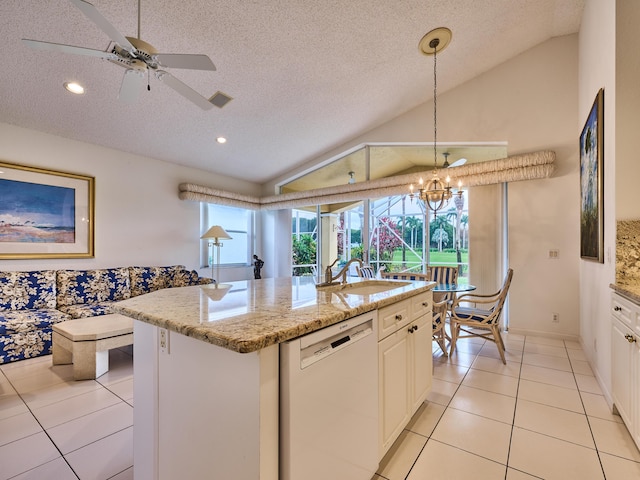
(139, 58)
(457, 163)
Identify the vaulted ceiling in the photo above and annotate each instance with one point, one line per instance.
(305, 76)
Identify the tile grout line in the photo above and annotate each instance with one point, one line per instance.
(44, 430)
(595, 444)
(515, 408)
(444, 411)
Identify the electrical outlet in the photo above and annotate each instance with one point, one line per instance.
(555, 318)
(164, 340)
(554, 254)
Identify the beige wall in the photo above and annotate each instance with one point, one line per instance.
(597, 66)
(627, 111)
(139, 218)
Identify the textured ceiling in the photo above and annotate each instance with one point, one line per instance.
(306, 75)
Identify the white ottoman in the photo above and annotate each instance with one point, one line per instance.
(86, 342)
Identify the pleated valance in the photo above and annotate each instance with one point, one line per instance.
(516, 168)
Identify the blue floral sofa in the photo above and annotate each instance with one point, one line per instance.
(31, 302)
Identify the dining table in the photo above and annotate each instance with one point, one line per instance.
(441, 290)
(447, 292)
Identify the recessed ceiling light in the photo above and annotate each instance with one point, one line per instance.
(74, 87)
(221, 140)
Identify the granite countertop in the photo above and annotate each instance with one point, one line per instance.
(247, 316)
(631, 291)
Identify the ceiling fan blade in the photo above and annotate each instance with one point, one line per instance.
(58, 47)
(458, 162)
(182, 60)
(131, 85)
(183, 89)
(103, 24)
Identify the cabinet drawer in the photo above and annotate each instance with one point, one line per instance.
(421, 304)
(392, 317)
(623, 310)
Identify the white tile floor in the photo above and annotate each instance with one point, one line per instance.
(52, 427)
(540, 416)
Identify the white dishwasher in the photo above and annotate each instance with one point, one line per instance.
(329, 402)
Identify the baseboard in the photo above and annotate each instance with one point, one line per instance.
(540, 333)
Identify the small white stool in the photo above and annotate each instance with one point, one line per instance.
(86, 342)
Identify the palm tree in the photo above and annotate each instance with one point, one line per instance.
(414, 224)
(459, 201)
(464, 220)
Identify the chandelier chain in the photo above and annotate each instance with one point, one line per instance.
(435, 108)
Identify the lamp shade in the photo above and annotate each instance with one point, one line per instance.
(216, 232)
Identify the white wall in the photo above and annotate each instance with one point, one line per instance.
(139, 219)
(531, 103)
(597, 66)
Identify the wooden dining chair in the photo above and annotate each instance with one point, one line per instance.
(365, 271)
(423, 277)
(443, 274)
(479, 322)
(439, 317)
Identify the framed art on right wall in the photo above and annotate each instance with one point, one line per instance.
(592, 183)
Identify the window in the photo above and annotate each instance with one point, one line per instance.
(238, 223)
(304, 229)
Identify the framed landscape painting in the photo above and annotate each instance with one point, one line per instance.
(592, 183)
(45, 214)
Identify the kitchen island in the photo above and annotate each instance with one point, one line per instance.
(206, 369)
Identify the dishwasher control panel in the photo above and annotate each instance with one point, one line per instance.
(318, 345)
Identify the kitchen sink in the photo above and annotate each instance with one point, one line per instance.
(367, 287)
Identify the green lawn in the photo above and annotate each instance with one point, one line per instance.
(435, 257)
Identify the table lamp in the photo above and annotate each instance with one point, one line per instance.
(214, 234)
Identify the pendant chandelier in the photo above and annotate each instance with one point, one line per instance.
(436, 193)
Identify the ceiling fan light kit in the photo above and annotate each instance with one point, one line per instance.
(139, 58)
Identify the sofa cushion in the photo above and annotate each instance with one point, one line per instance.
(28, 290)
(83, 310)
(23, 321)
(149, 279)
(185, 278)
(92, 286)
(25, 345)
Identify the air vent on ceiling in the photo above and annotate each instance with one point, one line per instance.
(219, 99)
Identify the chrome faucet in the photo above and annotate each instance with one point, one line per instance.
(342, 273)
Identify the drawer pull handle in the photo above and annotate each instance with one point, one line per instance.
(617, 308)
(398, 317)
(630, 338)
(412, 329)
(425, 304)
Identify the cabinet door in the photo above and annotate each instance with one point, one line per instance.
(421, 358)
(393, 355)
(635, 394)
(621, 378)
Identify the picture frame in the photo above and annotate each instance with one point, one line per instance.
(45, 213)
(592, 183)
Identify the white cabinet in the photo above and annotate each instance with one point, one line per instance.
(626, 363)
(203, 411)
(405, 364)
